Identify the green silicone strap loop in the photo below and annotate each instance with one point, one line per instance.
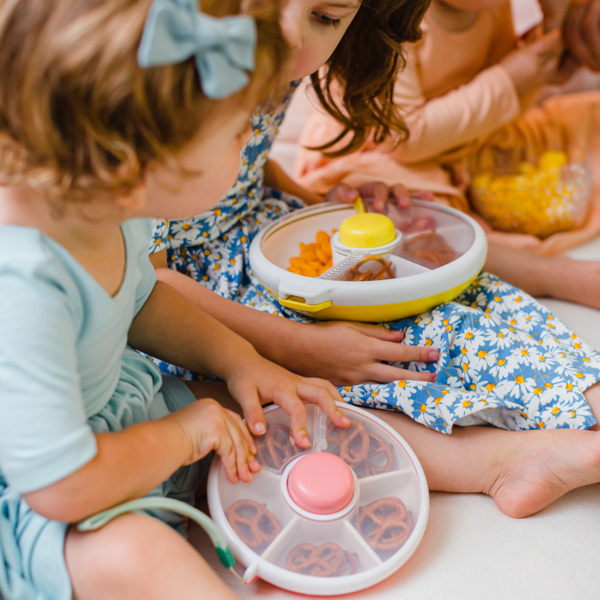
(217, 538)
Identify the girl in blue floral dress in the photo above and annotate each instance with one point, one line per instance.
(493, 356)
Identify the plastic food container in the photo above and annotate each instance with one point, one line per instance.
(541, 198)
(435, 255)
(334, 519)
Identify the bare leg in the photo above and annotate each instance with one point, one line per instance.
(136, 556)
(523, 471)
(558, 277)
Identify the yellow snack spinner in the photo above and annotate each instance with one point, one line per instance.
(433, 252)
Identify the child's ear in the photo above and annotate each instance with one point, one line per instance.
(135, 200)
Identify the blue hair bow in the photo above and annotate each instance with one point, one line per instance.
(224, 48)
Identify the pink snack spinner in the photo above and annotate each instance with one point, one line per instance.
(331, 519)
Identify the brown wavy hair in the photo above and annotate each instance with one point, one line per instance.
(79, 117)
(364, 67)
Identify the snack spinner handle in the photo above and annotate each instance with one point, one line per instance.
(320, 430)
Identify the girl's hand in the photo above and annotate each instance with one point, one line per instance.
(380, 192)
(535, 65)
(352, 353)
(210, 427)
(260, 382)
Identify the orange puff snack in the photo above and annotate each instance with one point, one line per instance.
(314, 258)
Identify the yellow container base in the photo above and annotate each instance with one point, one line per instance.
(376, 313)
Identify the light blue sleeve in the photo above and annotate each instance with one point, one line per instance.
(44, 435)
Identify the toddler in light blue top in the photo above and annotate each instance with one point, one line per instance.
(86, 421)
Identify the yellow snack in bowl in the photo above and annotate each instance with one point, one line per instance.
(536, 200)
(552, 160)
(315, 258)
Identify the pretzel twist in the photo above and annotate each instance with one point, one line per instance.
(431, 247)
(385, 524)
(258, 530)
(346, 438)
(357, 447)
(326, 560)
(274, 448)
(378, 446)
(386, 270)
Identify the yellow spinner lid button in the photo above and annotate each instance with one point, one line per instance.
(367, 230)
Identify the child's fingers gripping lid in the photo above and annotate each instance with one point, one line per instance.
(244, 429)
(226, 451)
(292, 405)
(342, 192)
(249, 400)
(240, 444)
(324, 395)
(401, 195)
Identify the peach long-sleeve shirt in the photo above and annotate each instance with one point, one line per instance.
(453, 91)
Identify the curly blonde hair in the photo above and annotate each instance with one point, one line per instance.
(79, 117)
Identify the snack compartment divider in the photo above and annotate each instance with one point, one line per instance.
(367, 550)
(280, 539)
(384, 477)
(405, 267)
(400, 484)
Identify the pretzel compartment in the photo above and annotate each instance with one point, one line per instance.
(369, 450)
(341, 533)
(244, 498)
(276, 448)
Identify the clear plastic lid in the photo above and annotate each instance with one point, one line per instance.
(375, 524)
(433, 237)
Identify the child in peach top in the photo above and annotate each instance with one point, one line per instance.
(467, 84)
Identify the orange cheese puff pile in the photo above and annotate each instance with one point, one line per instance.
(315, 258)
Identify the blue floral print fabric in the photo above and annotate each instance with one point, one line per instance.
(505, 359)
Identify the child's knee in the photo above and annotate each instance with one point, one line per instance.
(122, 555)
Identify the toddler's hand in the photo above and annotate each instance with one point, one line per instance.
(210, 427)
(380, 192)
(259, 382)
(535, 65)
(352, 353)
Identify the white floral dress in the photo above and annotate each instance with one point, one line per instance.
(505, 359)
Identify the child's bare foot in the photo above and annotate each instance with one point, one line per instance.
(543, 466)
(523, 471)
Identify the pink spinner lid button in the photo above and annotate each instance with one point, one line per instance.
(321, 483)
